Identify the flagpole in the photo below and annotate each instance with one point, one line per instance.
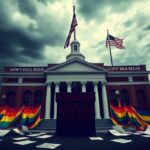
(109, 48)
(74, 28)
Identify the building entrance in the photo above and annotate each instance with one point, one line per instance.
(75, 114)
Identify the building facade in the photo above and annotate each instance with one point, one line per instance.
(38, 85)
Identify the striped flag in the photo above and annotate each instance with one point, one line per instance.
(72, 29)
(114, 41)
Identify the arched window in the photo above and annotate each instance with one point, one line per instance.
(141, 99)
(11, 99)
(38, 98)
(27, 98)
(112, 98)
(124, 97)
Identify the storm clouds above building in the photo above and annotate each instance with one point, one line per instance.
(33, 32)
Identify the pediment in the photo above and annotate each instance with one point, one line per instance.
(76, 66)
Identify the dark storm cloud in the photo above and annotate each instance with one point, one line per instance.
(91, 9)
(45, 2)
(27, 7)
(24, 44)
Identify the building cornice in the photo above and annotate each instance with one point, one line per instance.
(129, 73)
(23, 84)
(128, 83)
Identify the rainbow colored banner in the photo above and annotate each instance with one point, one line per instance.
(31, 116)
(128, 116)
(2, 112)
(15, 117)
(9, 117)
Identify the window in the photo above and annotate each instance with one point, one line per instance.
(11, 99)
(141, 99)
(124, 97)
(27, 98)
(112, 98)
(38, 98)
(75, 48)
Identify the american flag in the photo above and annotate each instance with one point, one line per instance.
(72, 28)
(114, 41)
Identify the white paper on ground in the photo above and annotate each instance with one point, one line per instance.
(25, 142)
(148, 136)
(48, 145)
(44, 136)
(120, 129)
(20, 138)
(137, 133)
(147, 131)
(25, 129)
(96, 138)
(116, 133)
(3, 132)
(18, 131)
(123, 141)
(36, 134)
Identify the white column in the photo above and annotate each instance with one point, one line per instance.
(48, 101)
(68, 87)
(83, 87)
(97, 108)
(105, 101)
(55, 103)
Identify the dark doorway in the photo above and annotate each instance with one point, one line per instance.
(11, 99)
(27, 98)
(141, 100)
(38, 98)
(75, 114)
(125, 98)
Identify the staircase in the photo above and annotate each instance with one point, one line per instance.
(50, 125)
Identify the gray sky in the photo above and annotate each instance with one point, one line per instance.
(33, 32)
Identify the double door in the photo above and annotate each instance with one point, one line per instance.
(75, 114)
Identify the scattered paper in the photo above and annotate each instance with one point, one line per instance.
(148, 136)
(96, 138)
(44, 136)
(25, 129)
(137, 133)
(3, 132)
(123, 141)
(119, 129)
(25, 142)
(20, 138)
(35, 134)
(48, 145)
(116, 133)
(147, 131)
(18, 131)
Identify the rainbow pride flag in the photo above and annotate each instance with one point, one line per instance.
(15, 117)
(145, 115)
(31, 116)
(10, 117)
(128, 116)
(2, 112)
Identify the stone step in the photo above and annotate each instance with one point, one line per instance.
(50, 124)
